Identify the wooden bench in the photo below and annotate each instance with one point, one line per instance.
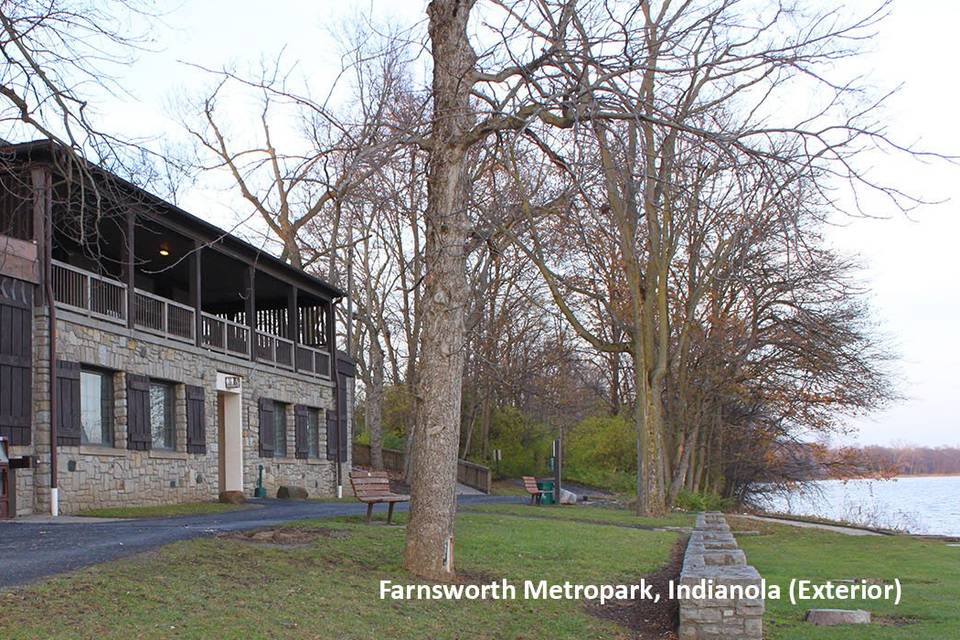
(530, 484)
(373, 487)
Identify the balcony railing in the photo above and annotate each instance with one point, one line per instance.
(94, 295)
(89, 293)
(159, 315)
(271, 348)
(223, 335)
(315, 361)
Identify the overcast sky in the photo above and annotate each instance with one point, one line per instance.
(910, 264)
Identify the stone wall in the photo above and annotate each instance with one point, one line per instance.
(713, 560)
(92, 477)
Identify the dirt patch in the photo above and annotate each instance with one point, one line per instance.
(284, 536)
(894, 621)
(645, 618)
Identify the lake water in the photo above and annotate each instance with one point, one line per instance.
(918, 504)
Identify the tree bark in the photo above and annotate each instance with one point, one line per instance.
(374, 403)
(429, 542)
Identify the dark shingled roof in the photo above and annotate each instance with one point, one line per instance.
(186, 218)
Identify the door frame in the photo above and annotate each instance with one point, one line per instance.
(6, 481)
(229, 432)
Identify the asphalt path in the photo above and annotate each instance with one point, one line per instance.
(33, 550)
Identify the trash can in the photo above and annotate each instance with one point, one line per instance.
(547, 487)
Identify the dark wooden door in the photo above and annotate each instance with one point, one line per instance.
(16, 360)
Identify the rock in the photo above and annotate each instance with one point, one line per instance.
(286, 492)
(832, 617)
(232, 497)
(567, 497)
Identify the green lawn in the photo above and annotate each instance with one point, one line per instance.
(163, 511)
(585, 514)
(508, 488)
(929, 572)
(329, 588)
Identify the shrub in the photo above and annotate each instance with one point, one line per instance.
(602, 443)
(694, 501)
(524, 443)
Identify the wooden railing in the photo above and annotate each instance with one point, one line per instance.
(392, 459)
(89, 293)
(469, 473)
(159, 315)
(315, 361)
(223, 335)
(94, 295)
(474, 475)
(271, 348)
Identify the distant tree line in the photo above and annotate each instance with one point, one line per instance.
(911, 460)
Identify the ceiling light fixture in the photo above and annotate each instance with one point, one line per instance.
(164, 249)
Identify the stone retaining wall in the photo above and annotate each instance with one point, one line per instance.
(718, 568)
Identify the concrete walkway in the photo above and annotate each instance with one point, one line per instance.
(32, 550)
(464, 490)
(847, 531)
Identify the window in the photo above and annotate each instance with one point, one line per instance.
(96, 407)
(279, 430)
(162, 429)
(313, 433)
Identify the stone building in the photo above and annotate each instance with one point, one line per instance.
(185, 361)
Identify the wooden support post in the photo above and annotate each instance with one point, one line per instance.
(196, 288)
(369, 511)
(129, 258)
(390, 513)
(252, 310)
(293, 322)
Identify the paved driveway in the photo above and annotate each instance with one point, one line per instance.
(29, 551)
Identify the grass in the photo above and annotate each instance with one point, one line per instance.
(929, 572)
(587, 515)
(330, 589)
(618, 482)
(163, 511)
(507, 488)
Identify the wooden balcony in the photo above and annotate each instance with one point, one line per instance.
(105, 298)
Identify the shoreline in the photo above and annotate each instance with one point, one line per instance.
(898, 477)
(816, 520)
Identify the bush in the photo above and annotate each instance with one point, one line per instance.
(524, 443)
(389, 440)
(605, 443)
(613, 481)
(694, 501)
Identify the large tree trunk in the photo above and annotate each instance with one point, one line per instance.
(374, 404)
(648, 419)
(429, 542)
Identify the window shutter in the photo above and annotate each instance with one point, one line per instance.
(300, 417)
(16, 359)
(266, 428)
(331, 435)
(138, 413)
(196, 420)
(68, 404)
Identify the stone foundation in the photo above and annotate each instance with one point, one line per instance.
(94, 477)
(713, 560)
